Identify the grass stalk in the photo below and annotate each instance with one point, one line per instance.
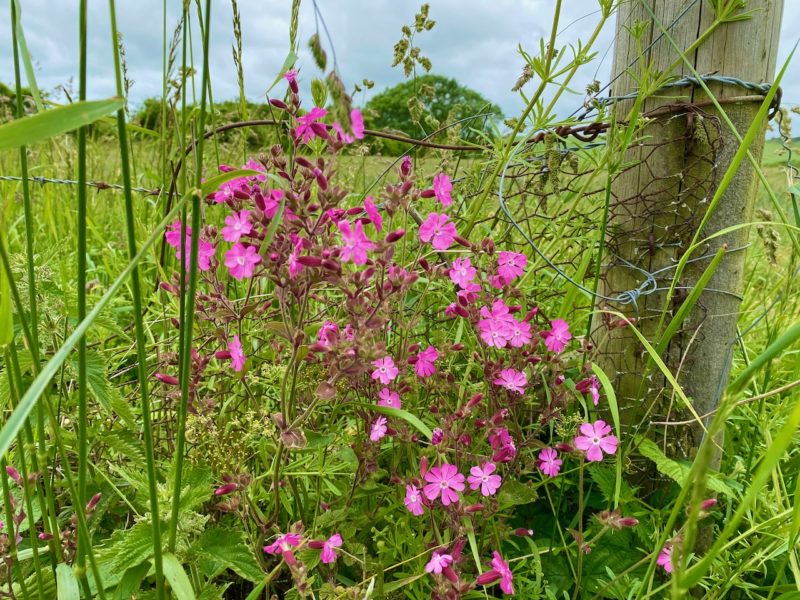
(187, 324)
(136, 292)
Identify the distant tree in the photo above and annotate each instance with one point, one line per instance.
(419, 106)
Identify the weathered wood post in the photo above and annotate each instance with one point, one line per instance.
(657, 204)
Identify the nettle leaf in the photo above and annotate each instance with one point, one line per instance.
(128, 548)
(126, 444)
(229, 548)
(515, 493)
(102, 389)
(678, 471)
(605, 479)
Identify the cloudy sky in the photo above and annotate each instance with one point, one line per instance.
(474, 41)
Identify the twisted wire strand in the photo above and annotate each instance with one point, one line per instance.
(626, 297)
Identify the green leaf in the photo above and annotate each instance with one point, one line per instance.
(178, 580)
(53, 122)
(403, 414)
(291, 58)
(67, 587)
(516, 493)
(230, 548)
(129, 548)
(106, 394)
(677, 471)
(131, 581)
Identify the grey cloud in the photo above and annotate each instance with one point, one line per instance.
(474, 41)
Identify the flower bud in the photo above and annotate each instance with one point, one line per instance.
(406, 187)
(14, 474)
(278, 103)
(395, 235)
(225, 489)
(487, 577)
(522, 532)
(413, 348)
(405, 166)
(331, 265)
(309, 261)
(437, 436)
(45, 536)
(475, 400)
(92, 504)
(423, 466)
(473, 508)
(463, 241)
(316, 544)
(167, 379)
(429, 193)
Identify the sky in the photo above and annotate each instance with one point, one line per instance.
(474, 41)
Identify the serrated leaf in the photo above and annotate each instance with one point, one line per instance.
(177, 578)
(106, 394)
(67, 587)
(128, 548)
(229, 547)
(516, 493)
(677, 471)
(55, 121)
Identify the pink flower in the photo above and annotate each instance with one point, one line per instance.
(227, 191)
(497, 326)
(437, 435)
(511, 265)
(549, 463)
(520, 333)
(437, 230)
(357, 120)
(237, 354)
(425, 367)
(442, 188)
(595, 440)
(556, 339)
(379, 429)
(254, 165)
(512, 380)
(444, 480)
(291, 76)
(295, 267)
(462, 273)
(470, 293)
(483, 477)
(356, 243)
(385, 370)
(305, 130)
(590, 385)
(241, 260)
(438, 562)
(501, 566)
(665, 558)
(503, 445)
(328, 554)
(372, 213)
(173, 234)
(387, 397)
(413, 501)
(284, 543)
(205, 250)
(328, 334)
(272, 202)
(236, 225)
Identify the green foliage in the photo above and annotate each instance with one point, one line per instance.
(419, 106)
